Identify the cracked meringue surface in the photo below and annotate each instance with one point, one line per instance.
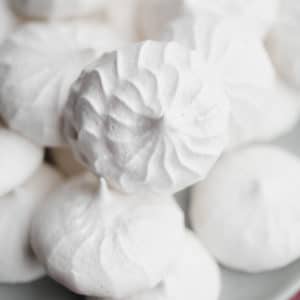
(284, 44)
(17, 261)
(19, 159)
(98, 242)
(149, 117)
(247, 75)
(195, 276)
(247, 212)
(38, 64)
(54, 9)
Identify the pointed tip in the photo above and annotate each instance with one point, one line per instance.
(103, 188)
(103, 183)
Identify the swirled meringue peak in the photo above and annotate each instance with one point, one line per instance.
(56, 9)
(247, 212)
(284, 44)
(38, 64)
(149, 117)
(17, 261)
(102, 243)
(247, 75)
(194, 276)
(19, 159)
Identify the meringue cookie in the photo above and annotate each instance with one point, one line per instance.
(19, 159)
(149, 117)
(248, 76)
(17, 261)
(195, 276)
(38, 64)
(7, 20)
(53, 9)
(247, 212)
(102, 243)
(284, 44)
(65, 162)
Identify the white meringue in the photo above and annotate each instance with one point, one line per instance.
(101, 243)
(149, 117)
(17, 261)
(65, 162)
(19, 159)
(258, 15)
(38, 64)
(53, 9)
(255, 14)
(7, 20)
(284, 43)
(247, 73)
(247, 213)
(195, 276)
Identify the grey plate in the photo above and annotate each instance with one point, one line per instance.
(277, 285)
(44, 289)
(282, 284)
